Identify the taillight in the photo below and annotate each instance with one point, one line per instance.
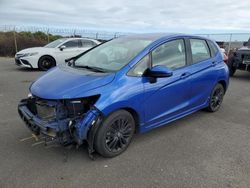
(225, 58)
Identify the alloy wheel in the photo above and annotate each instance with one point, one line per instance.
(119, 135)
(217, 98)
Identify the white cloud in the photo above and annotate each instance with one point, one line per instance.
(130, 15)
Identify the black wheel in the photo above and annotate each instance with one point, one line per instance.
(216, 98)
(231, 67)
(232, 70)
(115, 134)
(46, 62)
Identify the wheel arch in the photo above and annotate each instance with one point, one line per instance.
(223, 83)
(46, 55)
(129, 109)
(135, 116)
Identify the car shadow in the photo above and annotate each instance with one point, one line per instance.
(72, 153)
(24, 69)
(172, 126)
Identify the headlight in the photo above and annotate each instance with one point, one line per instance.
(30, 54)
(30, 95)
(78, 107)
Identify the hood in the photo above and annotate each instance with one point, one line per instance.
(31, 50)
(65, 82)
(244, 48)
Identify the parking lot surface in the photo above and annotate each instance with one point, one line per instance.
(201, 150)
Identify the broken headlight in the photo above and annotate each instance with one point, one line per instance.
(78, 107)
(75, 107)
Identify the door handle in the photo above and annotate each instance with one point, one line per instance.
(185, 75)
(213, 63)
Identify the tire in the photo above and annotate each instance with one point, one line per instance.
(115, 134)
(232, 71)
(231, 68)
(46, 62)
(216, 98)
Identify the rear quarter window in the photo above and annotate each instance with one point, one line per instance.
(213, 48)
(200, 50)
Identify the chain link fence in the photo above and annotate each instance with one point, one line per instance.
(229, 41)
(16, 38)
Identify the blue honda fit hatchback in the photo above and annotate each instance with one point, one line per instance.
(127, 85)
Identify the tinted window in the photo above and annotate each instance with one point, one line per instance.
(140, 67)
(55, 43)
(200, 50)
(170, 54)
(87, 44)
(71, 44)
(213, 48)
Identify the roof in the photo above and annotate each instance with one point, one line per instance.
(150, 36)
(70, 38)
(157, 36)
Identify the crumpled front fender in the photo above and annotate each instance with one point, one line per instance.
(82, 127)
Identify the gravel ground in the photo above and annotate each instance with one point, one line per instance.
(201, 150)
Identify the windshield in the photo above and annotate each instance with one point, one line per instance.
(55, 43)
(113, 55)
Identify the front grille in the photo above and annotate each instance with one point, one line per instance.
(241, 66)
(247, 57)
(45, 111)
(18, 62)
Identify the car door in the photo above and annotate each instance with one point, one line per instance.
(203, 77)
(167, 98)
(71, 49)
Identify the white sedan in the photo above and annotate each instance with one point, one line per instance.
(53, 53)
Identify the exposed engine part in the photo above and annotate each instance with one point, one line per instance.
(45, 110)
(65, 121)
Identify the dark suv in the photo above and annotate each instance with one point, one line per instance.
(240, 59)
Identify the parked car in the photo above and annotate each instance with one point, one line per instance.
(127, 85)
(53, 53)
(240, 59)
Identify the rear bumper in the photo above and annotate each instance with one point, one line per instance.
(240, 63)
(244, 66)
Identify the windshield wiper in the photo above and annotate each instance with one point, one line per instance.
(95, 69)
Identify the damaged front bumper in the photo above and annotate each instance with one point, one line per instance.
(66, 130)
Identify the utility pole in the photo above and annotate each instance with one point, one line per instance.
(229, 45)
(14, 32)
(48, 34)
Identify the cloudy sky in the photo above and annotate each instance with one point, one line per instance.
(199, 16)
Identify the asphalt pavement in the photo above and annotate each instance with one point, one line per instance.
(202, 150)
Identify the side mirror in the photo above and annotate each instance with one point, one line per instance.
(62, 47)
(70, 62)
(159, 71)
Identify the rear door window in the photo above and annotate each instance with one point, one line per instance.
(200, 50)
(71, 44)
